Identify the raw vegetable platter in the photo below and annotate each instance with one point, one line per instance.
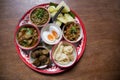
(53, 69)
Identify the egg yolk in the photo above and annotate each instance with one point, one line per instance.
(55, 34)
(51, 37)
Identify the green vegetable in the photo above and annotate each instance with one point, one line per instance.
(53, 4)
(24, 43)
(29, 31)
(23, 29)
(73, 29)
(72, 14)
(40, 13)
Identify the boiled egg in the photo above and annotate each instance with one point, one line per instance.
(55, 31)
(52, 34)
(48, 36)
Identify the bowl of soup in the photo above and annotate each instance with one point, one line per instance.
(27, 36)
(39, 16)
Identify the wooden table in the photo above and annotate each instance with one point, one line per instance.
(101, 59)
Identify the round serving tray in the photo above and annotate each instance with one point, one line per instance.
(53, 69)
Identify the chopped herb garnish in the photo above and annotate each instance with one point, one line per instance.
(23, 29)
(29, 31)
(73, 29)
(40, 13)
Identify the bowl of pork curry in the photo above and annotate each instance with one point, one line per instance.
(27, 36)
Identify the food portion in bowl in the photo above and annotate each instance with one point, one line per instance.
(39, 16)
(40, 57)
(51, 34)
(64, 54)
(72, 32)
(65, 16)
(27, 36)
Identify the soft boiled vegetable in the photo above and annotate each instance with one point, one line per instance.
(52, 9)
(66, 18)
(59, 23)
(66, 8)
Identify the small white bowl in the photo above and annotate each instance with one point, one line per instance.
(47, 28)
(74, 54)
(79, 38)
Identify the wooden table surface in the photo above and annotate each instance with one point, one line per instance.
(101, 59)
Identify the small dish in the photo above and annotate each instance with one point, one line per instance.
(40, 57)
(72, 32)
(64, 54)
(39, 16)
(27, 36)
(51, 34)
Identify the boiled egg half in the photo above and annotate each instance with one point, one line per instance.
(52, 34)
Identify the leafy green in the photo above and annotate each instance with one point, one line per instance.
(53, 4)
(72, 14)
